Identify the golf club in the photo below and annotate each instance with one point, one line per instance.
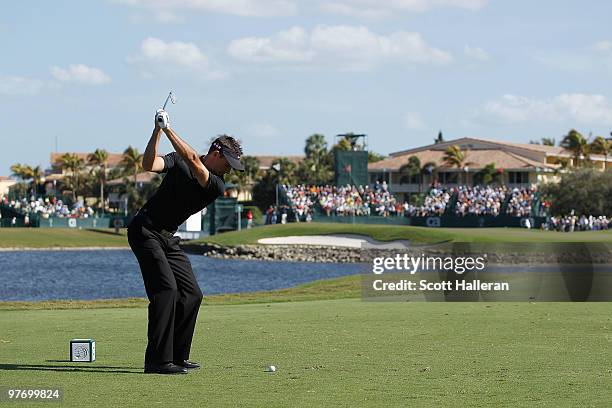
(170, 98)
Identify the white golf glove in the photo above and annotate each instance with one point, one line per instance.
(162, 119)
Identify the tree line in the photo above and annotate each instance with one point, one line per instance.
(581, 147)
(88, 177)
(85, 177)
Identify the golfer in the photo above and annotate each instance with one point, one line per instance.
(191, 183)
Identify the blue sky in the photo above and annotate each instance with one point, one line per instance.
(271, 72)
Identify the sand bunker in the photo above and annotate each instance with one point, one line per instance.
(348, 241)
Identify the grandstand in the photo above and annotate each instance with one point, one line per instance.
(324, 202)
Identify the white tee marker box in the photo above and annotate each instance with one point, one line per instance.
(83, 350)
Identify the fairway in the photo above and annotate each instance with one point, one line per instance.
(329, 353)
(61, 238)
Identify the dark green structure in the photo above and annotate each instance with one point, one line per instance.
(351, 167)
(221, 216)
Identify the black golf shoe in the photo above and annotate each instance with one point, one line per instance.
(190, 365)
(166, 368)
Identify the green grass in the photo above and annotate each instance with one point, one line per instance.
(415, 234)
(67, 237)
(338, 288)
(61, 237)
(329, 353)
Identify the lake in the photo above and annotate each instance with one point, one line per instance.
(108, 274)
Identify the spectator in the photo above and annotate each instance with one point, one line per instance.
(249, 216)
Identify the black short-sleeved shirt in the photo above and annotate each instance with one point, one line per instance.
(180, 195)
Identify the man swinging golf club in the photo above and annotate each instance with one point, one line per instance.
(191, 183)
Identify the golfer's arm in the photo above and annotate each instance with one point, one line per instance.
(150, 160)
(189, 155)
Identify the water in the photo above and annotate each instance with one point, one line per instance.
(108, 274)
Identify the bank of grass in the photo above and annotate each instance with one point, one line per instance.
(338, 288)
(342, 352)
(419, 235)
(74, 238)
(61, 237)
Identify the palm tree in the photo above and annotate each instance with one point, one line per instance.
(251, 168)
(428, 168)
(411, 168)
(488, 174)
(286, 175)
(132, 161)
(22, 171)
(73, 163)
(577, 144)
(564, 164)
(599, 145)
(37, 176)
(455, 157)
(99, 158)
(244, 179)
(316, 166)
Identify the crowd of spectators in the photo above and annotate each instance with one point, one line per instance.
(434, 203)
(47, 207)
(302, 200)
(571, 223)
(480, 200)
(346, 200)
(521, 202)
(284, 214)
(352, 200)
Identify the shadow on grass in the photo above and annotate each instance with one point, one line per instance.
(71, 368)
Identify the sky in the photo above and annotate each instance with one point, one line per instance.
(81, 75)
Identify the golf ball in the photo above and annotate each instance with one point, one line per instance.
(271, 369)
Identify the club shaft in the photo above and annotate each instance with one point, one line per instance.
(167, 99)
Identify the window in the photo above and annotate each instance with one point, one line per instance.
(518, 177)
(406, 179)
(448, 177)
(380, 177)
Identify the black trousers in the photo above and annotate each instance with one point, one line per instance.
(173, 292)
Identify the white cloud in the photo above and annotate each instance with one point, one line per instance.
(591, 109)
(413, 121)
(382, 8)
(345, 47)
(79, 73)
(601, 46)
(158, 56)
(476, 53)
(178, 53)
(171, 11)
(17, 85)
(352, 11)
(261, 130)
(287, 46)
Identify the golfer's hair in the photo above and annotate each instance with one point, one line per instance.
(227, 142)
